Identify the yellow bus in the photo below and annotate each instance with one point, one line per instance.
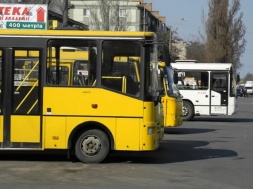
(88, 107)
(171, 99)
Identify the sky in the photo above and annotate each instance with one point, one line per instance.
(186, 17)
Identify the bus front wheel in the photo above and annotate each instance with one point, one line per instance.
(92, 146)
(188, 111)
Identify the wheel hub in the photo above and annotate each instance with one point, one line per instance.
(185, 111)
(91, 145)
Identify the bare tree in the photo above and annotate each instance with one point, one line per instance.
(225, 32)
(195, 50)
(56, 6)
(248, 77)
(108, 15)
(175, 50)
(163, 36)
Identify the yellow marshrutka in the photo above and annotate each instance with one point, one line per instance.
(69, 90)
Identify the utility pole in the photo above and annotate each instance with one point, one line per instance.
(144, 18)
(65, 13)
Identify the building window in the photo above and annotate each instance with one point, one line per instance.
(122, 12)
(86, 12)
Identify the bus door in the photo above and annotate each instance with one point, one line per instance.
(219, 92)
(21, 115)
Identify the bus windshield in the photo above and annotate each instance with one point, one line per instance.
(152, 58)
(170, 84)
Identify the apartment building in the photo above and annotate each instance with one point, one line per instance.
(124, 15)
(117, 15)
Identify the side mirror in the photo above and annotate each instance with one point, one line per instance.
(175, 77)
(164, 54)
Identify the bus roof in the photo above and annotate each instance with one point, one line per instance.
(202, 66)
(74, 33)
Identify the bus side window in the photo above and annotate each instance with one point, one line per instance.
(49, 77)
(204, 80)
(93, 65)
(84, 73)
(74, 61)
(81, 73)
(193, 80)
(63, 73)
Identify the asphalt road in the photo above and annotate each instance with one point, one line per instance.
(207, 152)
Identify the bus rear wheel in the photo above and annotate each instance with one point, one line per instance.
(92, 146)
(188, 111)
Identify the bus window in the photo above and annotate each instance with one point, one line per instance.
(170, 85)
(219, 82)
(63, 75)
(193, 80)
(120, 69)
(81, 72)
(80, 60)
(25, 82)
(128, 67)
(153, 79)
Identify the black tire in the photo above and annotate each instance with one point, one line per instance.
(92, 146)
(188, 111)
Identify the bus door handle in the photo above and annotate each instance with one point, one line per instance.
(16, 93)
(213, 96)
(206, 96)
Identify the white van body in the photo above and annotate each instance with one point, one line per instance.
(249, 86)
